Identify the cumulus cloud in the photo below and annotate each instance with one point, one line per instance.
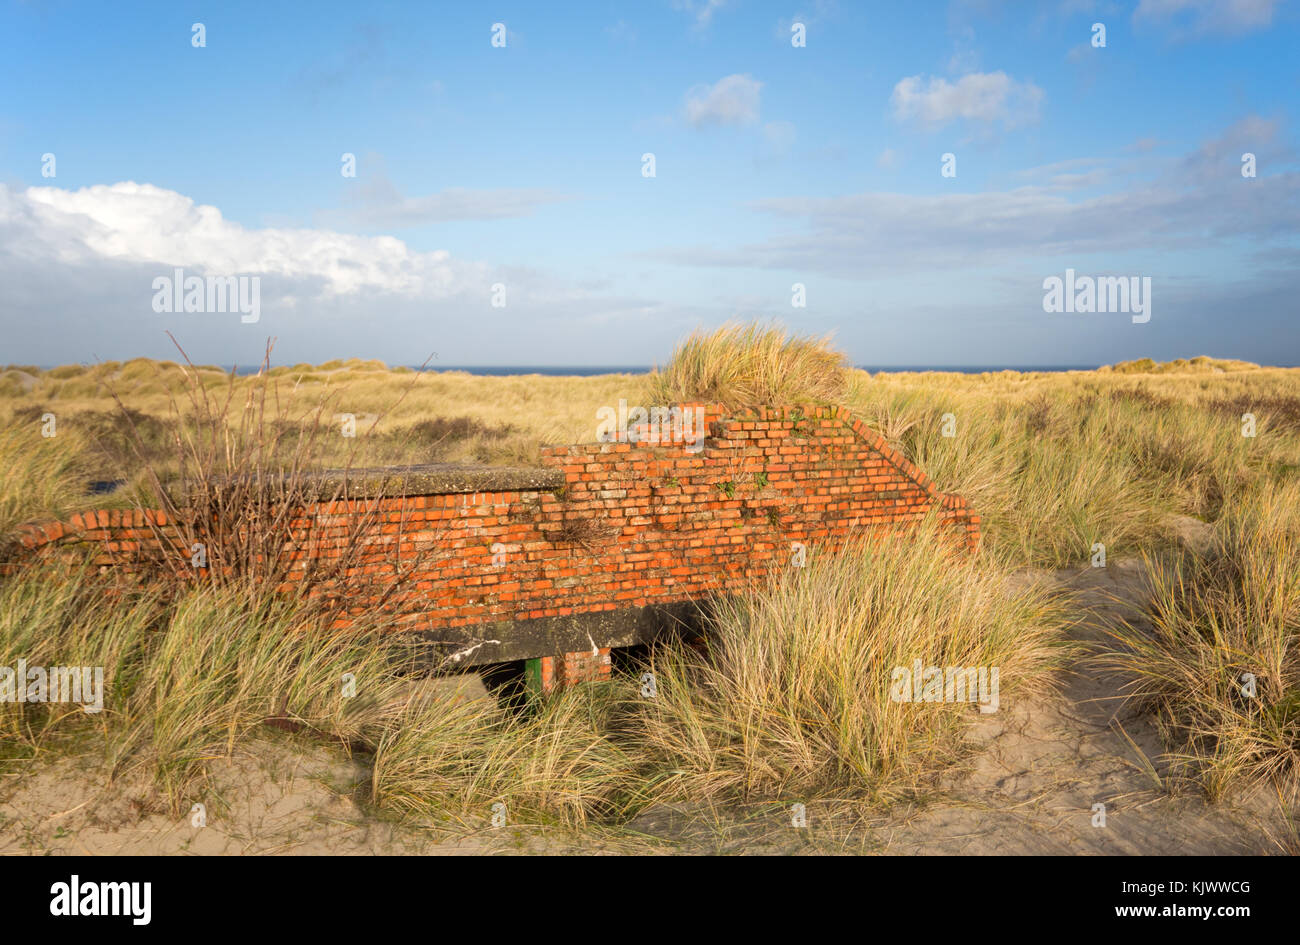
(78, 269)
(1197, 17)
(140, 223)
(982, 97)
(733, 100)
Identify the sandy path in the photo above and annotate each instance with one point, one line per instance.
(279, 801)
(1046, 762)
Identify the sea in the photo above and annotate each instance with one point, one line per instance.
(590, 371)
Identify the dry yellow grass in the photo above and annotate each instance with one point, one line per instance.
(1058, 462)
(1054, 462)
(1220, 663)
(798, 694)
(750, 365)
(540, 409)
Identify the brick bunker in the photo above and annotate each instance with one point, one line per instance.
(606, 545)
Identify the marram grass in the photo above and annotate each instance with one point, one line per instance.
(792, 699)
(750, 365)
(1217, 659)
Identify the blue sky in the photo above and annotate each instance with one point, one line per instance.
(521, 166)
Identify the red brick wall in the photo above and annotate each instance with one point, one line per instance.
(555, 672)
(633, 525)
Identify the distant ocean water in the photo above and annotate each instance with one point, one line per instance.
(569, 371)
(552, 370)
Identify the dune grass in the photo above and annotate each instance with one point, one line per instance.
(791, 701)
(559, 760)
(43, 477)
(187, 678)
(1218, 659)
(793, 698)
(50, 617)
(1054, 463)
(442, 416)
(199, 677)
(192, 679)
(221, 665)
(748, 365)
(1057, 463)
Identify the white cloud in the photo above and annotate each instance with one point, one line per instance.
(809, 15)
(1207, 16)
(964, 60)
(140, 223)
(780, 136)
(1221, 156)
(987, 97)
(1079, 54)
(701, 10)
(1195, 203)
(376, 202)
(733, 100)
(1070, 175)
(78, 269)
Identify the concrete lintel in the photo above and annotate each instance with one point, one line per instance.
(551, 636)
(426, 479)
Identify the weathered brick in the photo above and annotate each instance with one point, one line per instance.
(652, 519)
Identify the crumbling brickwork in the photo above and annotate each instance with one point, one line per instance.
(616, 529)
